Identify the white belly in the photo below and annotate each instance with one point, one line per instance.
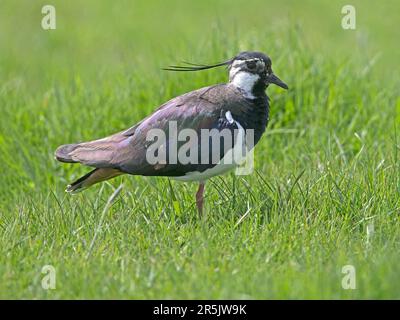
(217, 170)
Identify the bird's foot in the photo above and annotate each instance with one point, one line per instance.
(200, 198)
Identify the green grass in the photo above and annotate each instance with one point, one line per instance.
(327, 167)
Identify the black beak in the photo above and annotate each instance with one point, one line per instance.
(272, 78)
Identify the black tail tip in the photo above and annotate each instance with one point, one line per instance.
(80, 185)
(74, 189)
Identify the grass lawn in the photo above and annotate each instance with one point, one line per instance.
(326, 188)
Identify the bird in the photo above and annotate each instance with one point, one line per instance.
(238, 106)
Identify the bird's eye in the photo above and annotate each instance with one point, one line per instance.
(251, 64)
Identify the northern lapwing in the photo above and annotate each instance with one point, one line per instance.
(236, 106)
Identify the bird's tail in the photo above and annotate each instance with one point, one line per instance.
(63, 152)
(94, 176)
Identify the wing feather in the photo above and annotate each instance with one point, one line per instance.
(126, 150)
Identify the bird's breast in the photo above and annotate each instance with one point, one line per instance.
(253, 116)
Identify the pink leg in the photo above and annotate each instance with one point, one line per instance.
(200, 198)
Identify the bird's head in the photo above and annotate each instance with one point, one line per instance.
(250, 71)
(253, 70)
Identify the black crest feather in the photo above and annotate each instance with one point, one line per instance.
(197, 67)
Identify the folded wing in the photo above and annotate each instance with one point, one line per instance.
(126, 151)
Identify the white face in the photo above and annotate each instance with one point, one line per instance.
(244, 74)
(245, 81)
